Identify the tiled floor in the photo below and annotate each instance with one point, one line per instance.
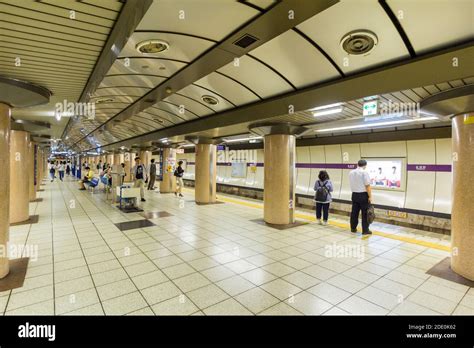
(213, 260)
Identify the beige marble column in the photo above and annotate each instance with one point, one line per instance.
(462, 216)
(39, 169)
(205, 176)
(128, 160)
(19, 178)
(169, 180)
(279, 179)
(4, 186)
(110, 159)
(31, 171)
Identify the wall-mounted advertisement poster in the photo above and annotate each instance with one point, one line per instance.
(239, 170)
(387, 173)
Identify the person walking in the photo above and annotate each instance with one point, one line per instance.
(178, 173)
(68, 168)
(359, 180)
(139, 177)
(61, 168)
(323, 188)
(52, 170)
(151, 183)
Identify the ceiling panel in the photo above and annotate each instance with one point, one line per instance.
(296, 59)
(432, 24)
(132, 80)
(180, 114)
(207, 18)
(264, 4)
(329, 27)
(190, 104)
(196, 92)
(82, 8)
(257, 76)
(231, 90)
(131, 91)
(145, 66)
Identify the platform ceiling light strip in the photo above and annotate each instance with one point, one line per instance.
(327, 112)
(377, 124)
(241, 139)
(329, 106)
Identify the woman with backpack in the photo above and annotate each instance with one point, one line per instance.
(323, 187)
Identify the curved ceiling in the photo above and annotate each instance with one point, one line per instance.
(138, 94)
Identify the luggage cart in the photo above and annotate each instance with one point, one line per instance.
(128, 198)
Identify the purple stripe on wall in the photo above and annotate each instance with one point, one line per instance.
(429, 167)
(410, 167)
(327, 165)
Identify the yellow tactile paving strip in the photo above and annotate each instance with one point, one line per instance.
(344, 225)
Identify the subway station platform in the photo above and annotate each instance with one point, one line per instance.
(93, 259)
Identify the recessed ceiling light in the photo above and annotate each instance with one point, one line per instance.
(378, 124)
(152, 46)
(327, 112)
(104, 100)
(209, 99)
(325, 107)
(359, 42)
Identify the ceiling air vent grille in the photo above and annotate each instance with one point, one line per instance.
(245, 41)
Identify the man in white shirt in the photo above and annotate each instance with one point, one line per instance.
(140, 177)
(359, 181)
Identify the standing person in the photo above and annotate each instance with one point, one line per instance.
(61, 168)
(68, 168)
(52, 170)
(178, 173)
(99, 166)
(151, 183)
(122, 173)
(139, 176)
(323, 187)
(361, 196)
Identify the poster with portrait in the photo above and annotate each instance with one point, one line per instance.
(387, 173)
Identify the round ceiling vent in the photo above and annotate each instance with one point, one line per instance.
(359, 42)
(209, 99)
(152, 46)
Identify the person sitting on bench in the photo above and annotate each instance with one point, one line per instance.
(87, 178)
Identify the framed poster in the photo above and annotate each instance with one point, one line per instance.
(239, 170)
(387, 173)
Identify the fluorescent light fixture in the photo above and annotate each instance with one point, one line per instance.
(241, 139)
(377, 124)
(329, 106)
(327, 112)
(187, 145)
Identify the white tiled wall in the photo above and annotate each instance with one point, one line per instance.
(429, 191)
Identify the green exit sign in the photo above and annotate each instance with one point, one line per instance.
(369, 108)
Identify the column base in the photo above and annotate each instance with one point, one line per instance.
(33, 219)
(207, 203)
(16, 277)
(280, 226)
(443, 270)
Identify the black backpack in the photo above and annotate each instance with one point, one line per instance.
(139, 172)
(322, 193)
